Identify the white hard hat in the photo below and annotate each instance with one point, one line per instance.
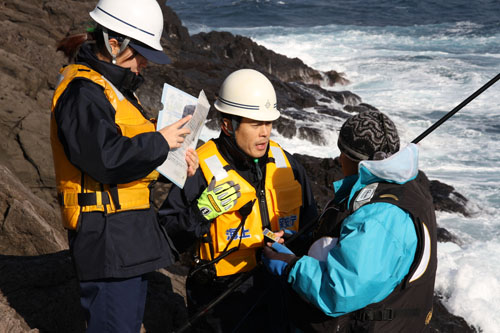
(141, 21)
(248, 93)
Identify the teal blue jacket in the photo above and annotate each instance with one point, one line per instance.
(375, 249)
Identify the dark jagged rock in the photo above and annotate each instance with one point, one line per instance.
(332, 112)
(359, 108)
(28, 225)
(345, 97)
(335, 77)
(292, 95)
(38, 287)
(341, 97)
(285, 127)
(443, 322)
(312, 134)
(447, 199)
(300, 115)
(246, 53)
(213, 124)
(322, 172)
(444, 236)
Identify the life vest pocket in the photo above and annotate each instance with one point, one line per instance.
(70, 216)
(286, 203)
(250, 233)
(237, 262)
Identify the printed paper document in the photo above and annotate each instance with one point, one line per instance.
(176, 105)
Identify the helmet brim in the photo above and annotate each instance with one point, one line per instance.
(156, 56)
(270, 115)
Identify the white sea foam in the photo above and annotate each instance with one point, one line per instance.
(470, 283)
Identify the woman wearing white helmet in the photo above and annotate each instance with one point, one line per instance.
(105, 154)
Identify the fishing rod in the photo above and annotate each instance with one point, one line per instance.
(245, 276)
(456, 109)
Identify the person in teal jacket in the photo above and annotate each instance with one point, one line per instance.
(373, 264)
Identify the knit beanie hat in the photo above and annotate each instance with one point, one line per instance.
(368, 135)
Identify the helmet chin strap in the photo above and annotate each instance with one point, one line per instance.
(235, 123)
(123, 45)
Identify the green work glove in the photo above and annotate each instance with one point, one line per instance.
(215, 201)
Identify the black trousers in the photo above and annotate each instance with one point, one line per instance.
(114, 305)
(257, 305)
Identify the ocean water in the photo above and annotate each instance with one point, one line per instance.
(414, 60)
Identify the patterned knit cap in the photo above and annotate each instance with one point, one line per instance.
(368, 135)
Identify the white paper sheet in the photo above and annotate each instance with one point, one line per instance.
(176, 105)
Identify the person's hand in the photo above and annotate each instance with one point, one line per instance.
(277, 257)
(215, 201)
(279, 235)
(284, 234)
(192, 162)
(174, 134)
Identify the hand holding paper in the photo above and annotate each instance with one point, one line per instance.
(175, 133)
(181, 121)
(192, 161)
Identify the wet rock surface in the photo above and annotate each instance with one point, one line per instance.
(38, 286)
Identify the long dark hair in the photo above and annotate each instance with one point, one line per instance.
(70, 45)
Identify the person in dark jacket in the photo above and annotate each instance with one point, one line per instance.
(246, 183)
(373, 265)
(105, 153)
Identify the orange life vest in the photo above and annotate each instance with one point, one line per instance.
(78, 192)
(283, 195)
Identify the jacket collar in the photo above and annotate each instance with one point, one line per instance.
(398, 168)
(122, 78)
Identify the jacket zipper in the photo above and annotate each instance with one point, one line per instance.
(264, 216)
(263, 210)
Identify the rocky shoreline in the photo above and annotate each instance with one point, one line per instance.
(38, 286)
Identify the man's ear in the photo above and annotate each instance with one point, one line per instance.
(227, 126)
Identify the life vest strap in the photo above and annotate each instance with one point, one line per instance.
(82, 199)
(90, 199)
(113, 190)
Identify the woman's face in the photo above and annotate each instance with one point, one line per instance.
(131, 59)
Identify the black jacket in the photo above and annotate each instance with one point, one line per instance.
(123, 244)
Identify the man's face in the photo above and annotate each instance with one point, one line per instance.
(252, 136)
(349, 167)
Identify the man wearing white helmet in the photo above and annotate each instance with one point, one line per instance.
(105, 153)
(246, 182)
